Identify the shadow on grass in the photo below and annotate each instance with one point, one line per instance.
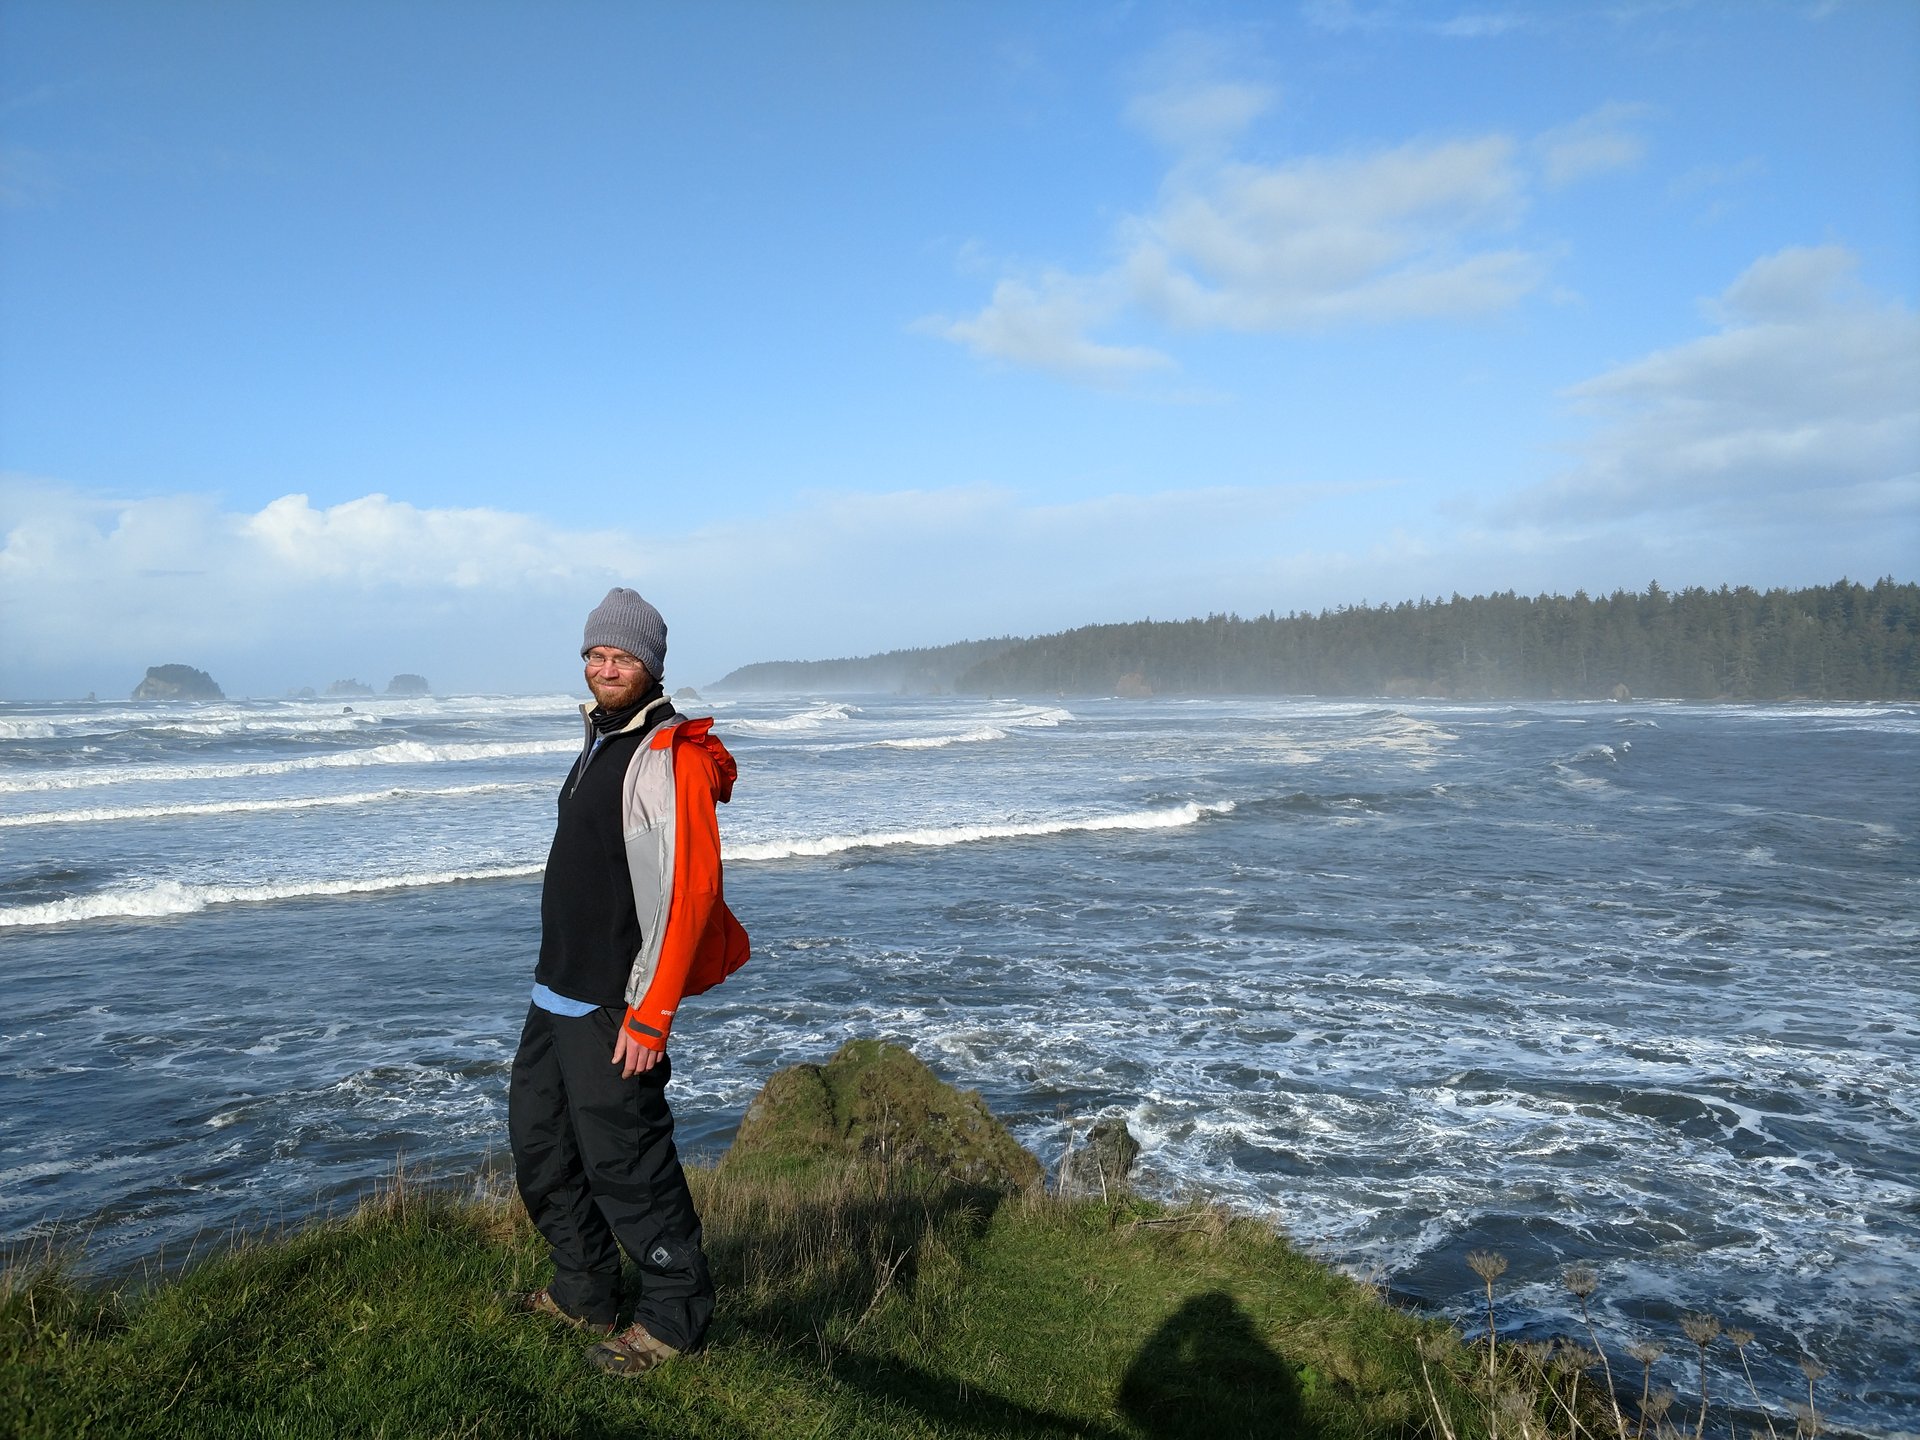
(794, 1271)
(954, 1404)
(1203, 1374)
(1207, 1372)
(809, 1273)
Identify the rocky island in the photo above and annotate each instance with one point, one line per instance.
(177, 682)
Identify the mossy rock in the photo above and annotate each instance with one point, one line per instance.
(877, 1099)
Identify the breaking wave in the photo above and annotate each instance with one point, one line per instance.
(975, 736)
(1039, 717)
(256, 807)
(162, 898)
(821, 715)
(1164, 819)
(404, 752)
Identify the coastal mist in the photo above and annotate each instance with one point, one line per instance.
(1629, 985)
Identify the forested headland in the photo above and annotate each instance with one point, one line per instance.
(1845, 641)
(927, 671)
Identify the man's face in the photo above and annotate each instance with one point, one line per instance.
(615, 677)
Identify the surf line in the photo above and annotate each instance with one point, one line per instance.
(403, 752)
(1167, 819)
(257, 807)
(167, 898)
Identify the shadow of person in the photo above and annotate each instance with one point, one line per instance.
(1207, 1372)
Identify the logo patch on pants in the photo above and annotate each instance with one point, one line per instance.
(660, 1256)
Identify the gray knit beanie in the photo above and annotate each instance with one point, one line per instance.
(623, 621)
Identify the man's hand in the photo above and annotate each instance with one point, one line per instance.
(633, 1057)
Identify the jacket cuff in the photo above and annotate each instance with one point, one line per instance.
(639, 1026)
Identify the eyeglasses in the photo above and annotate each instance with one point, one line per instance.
(605, 660)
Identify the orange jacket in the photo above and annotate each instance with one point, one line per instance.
(700, 942)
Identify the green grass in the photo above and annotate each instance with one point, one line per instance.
(856, 1299)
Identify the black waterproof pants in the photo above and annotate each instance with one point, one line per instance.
(594, 1158)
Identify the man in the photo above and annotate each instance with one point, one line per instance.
(631, 919)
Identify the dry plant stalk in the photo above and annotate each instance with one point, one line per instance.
(1813, 1370)
(1489, 1265)
(1646, 1352)
(1740, 1339)
(1581, 1281)
(1702, 1331)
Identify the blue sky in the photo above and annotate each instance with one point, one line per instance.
(349, 338)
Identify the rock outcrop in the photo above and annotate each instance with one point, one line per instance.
(177, 682)
(349, 687)
(1101, 1166)
(408, 685)
(878, 1099)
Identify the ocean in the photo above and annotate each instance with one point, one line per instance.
(1627, 985)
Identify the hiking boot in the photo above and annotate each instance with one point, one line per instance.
(634, 1351)
(541, 1302)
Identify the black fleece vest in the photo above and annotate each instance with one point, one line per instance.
(589, 932)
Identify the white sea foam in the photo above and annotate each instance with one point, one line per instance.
(318, 715)
(816, 718)
(977, 735)
(1163, 819)
(265, 725)
(1039, 717)
(403, 752)
(1419, 743)
(161, 898)
(258, 807)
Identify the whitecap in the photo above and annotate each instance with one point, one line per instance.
(1037, 717)
(817, 717)
(95, 813)
(402, 752)
(1160, 819)
(161, 898)
(978, 735)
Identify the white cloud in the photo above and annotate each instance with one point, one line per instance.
(1396, 234)
(1379, 237)
(1595, 144)
(1428, 229)
(1043, 324)
(94, 590)
(1192, 117)
(1806, 399)
(1483, 25)
(375, 540)
(290, 594)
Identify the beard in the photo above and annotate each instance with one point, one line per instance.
(619, 694)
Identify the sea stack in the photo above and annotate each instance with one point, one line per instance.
(177, 682)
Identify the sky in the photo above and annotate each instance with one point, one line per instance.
(341, 338)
